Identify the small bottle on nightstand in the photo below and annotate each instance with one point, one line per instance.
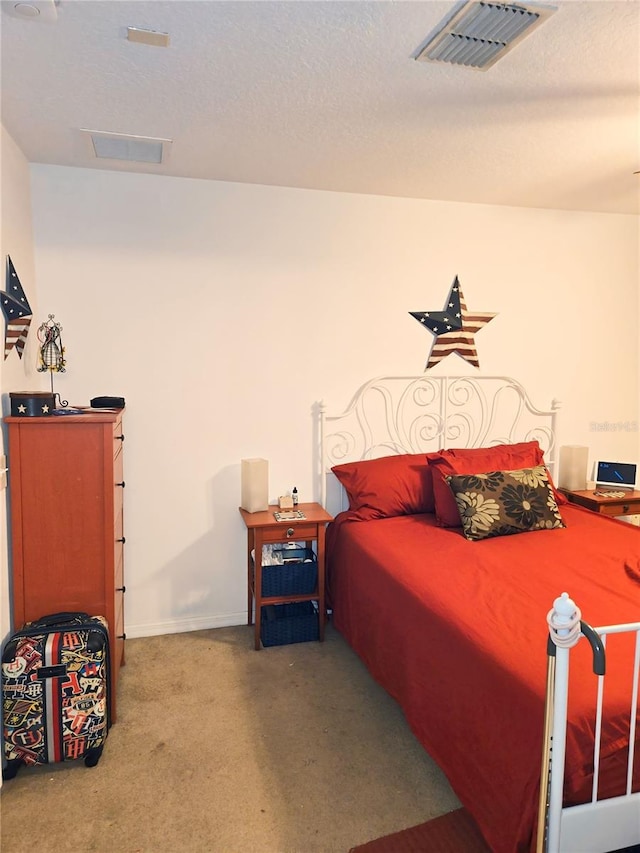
(294, 495)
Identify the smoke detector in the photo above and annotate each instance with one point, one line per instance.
(480, 33)
(32, 10)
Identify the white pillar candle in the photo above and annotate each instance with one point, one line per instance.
(573, 467)
(254, 475)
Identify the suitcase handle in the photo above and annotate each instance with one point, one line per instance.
(63, 618)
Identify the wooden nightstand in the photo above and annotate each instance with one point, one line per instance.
(262, 528)
(628, 505)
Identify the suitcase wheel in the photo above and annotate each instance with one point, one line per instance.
(11, 768)
(93, 756)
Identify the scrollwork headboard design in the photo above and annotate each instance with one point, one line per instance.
(419, 414)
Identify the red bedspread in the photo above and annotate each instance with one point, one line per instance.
(456, 632)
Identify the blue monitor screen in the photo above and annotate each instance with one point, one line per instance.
(617, 474)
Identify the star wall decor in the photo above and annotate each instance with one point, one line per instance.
(17, 312)
(454, 328)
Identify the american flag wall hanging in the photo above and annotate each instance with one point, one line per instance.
(454, 328)
(17, 312)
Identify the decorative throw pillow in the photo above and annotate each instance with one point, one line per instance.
(499, 457)
(388, 486)
(500, 503)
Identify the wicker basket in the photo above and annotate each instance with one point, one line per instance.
(291, 578)
(282, 624)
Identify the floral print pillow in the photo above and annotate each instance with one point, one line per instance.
(500, 503)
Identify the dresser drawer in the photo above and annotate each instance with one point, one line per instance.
(118, 468)
(118, 633)
(119, 572)
(118, 528)
(118, 438)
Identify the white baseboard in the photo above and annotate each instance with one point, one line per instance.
(180, 626)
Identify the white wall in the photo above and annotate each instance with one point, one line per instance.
(222, 312)
(16, 240)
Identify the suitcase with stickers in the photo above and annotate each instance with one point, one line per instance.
(55, 676)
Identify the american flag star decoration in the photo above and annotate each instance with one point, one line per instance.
(454, 328)
(17, 312)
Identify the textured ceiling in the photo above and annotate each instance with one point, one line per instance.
(326, 95)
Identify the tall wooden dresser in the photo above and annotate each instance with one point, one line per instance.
(66, 504)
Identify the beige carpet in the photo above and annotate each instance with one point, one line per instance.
(221, 748)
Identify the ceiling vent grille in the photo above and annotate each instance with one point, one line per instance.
(480, 33)
(121, 146)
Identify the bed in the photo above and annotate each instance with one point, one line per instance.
(450, 619)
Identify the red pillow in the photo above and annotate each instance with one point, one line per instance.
(388, 486)
(476, 460)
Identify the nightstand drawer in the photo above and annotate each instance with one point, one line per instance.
(631, 508)
(281, 532)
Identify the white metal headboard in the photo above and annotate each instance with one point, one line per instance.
(419, 414)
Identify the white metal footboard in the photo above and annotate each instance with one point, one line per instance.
(599, 825)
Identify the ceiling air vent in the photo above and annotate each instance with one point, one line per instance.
(479, 34)
(121, 146)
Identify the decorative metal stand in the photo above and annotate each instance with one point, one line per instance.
(51, 352)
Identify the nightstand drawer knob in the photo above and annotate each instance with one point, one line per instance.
(625, 509)
(290, 531)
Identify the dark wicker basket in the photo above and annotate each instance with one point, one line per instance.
(291, 578)
(282, 624)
